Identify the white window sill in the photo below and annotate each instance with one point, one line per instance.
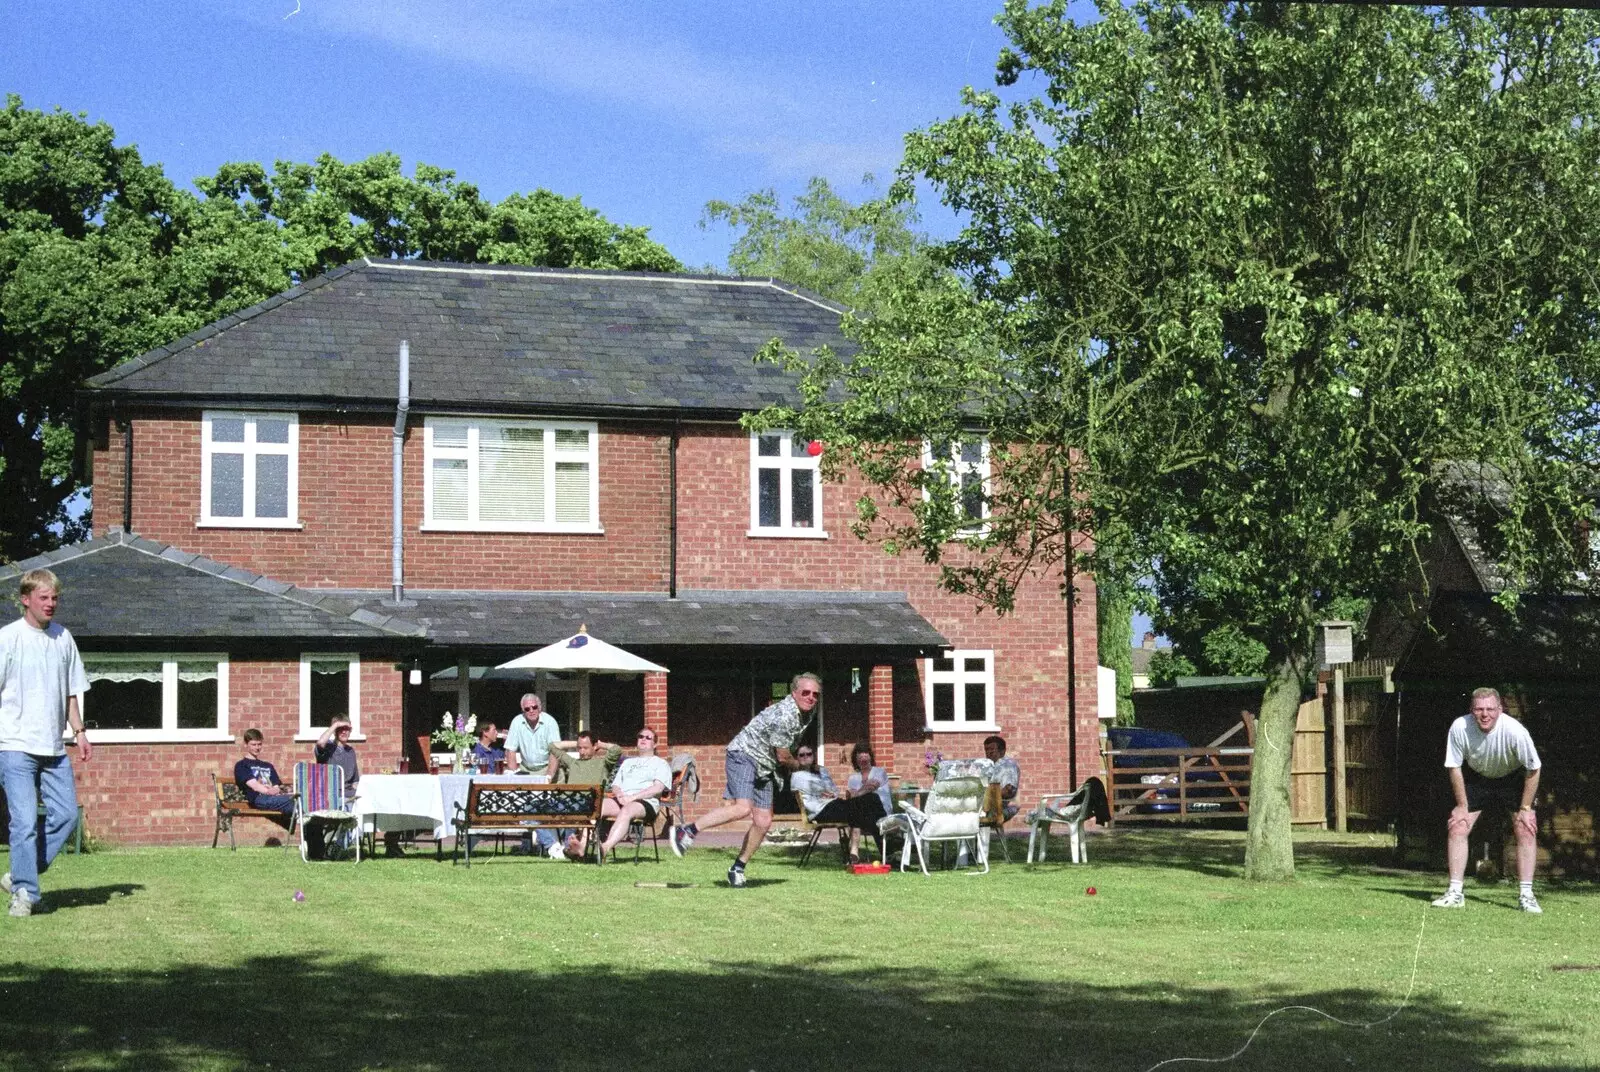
(963, 727)
(99, 737)
(787, 534)
(246, 523)
(530, 527)
(312, 736)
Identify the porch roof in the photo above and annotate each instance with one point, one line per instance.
(704, 620)
(124, 589)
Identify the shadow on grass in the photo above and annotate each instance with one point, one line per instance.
(87, 896)
(301, 1013)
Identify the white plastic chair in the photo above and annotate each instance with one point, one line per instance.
(952, 812)
(1069, 809)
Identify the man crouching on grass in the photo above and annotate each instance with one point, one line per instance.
(1492, 763)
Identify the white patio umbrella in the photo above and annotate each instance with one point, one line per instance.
(582, 652)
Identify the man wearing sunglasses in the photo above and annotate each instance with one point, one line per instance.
(755, 756)
(639, 781)
(531, 749)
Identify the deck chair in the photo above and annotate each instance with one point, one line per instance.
(952, 812)
(1071, 810)
(815, 829)
(329, 830)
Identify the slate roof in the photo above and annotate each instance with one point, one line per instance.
(122, 587)
(721, 619)
(495, 338)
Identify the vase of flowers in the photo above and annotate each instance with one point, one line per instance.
(931, 760)
(458, 734)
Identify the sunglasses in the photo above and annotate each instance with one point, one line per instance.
(647, 736)
(809, 692)
(535, 707)
(803, 755)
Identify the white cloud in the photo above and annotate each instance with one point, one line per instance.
(797, 125)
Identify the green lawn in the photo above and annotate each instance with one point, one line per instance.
(193, 958)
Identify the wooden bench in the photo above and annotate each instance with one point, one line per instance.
(500, 808)
(232, 804)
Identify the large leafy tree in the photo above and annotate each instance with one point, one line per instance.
(826, 243)
(1246, 290)
(102, 258)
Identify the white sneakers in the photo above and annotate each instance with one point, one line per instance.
(1527, 902)
(21, 903)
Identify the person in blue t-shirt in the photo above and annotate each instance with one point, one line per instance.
(259, 779)
(488, 751)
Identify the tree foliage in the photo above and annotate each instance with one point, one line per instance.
(1239, 289)
(102, 258)
(827, 244)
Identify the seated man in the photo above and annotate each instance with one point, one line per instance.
(334, 747)
(488, 751)
(259, 779)
(1006, 774)
(595, 765)
(640, 780)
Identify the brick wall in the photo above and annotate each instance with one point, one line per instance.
(161, 793)
(344, 507)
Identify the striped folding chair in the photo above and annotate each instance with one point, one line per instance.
(328, 828)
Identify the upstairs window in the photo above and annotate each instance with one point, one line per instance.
(966, 463)
(249, 470)
(785, 486)
(511, 476)
(958, 690)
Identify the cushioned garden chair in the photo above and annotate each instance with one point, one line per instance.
(952, 812)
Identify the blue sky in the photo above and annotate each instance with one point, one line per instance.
(646, 110)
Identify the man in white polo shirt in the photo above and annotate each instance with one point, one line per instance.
(1492, 763)
(41, 678)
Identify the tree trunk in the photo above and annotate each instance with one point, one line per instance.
(1269, 846)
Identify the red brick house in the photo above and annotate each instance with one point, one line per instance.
(571, 454)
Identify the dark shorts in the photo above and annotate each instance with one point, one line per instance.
(745, 784)
(651, 810)
(1483, 794)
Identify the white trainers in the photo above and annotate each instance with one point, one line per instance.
(557, 852)
(678, 840)
(21, 904)
(1529, 903)
(1451, 899)
(5, 883)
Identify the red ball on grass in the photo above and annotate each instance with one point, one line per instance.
(1090, 891)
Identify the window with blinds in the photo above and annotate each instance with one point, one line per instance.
(511, 476)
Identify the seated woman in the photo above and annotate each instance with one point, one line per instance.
(825, 804)
(867, 777)
(639, 781)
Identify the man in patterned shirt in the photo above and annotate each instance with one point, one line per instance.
(755, 756)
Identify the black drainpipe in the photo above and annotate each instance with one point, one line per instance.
(127, 473)
(672, 522)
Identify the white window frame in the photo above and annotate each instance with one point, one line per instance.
(169, 731)
(471, 454)
(309, 732)
(787, 464)
(958, 678)
(250, 449)
(957, 469)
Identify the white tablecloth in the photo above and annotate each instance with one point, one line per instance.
(400, 802)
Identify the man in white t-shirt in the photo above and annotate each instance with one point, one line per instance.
(41, 678)
(1492, 763)
(639, 781)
